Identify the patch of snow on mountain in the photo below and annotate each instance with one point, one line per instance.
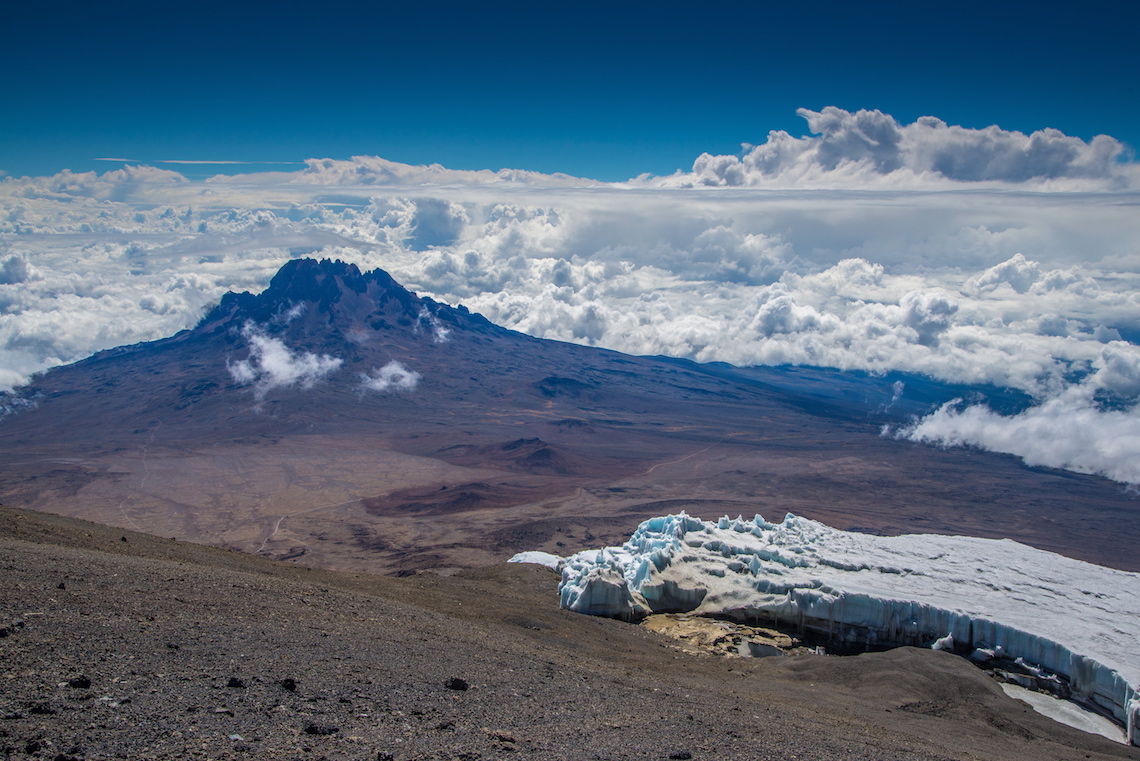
(1069, 617)
(539, 558)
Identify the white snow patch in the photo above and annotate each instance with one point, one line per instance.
(1067, 712)
(539, 558)
(1065, 616)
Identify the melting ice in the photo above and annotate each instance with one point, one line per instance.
(979, 596)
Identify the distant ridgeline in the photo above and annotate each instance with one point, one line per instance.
(985, 598)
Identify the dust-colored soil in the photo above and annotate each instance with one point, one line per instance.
(123, 645)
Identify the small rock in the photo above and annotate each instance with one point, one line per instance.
(501, 736)
(681, 754)
(288, 684)
(445, 725)
(224, 711)
(4, 632)
(61, 586)
(122, 539)
(236, 683)
(455, 683)
(385, 756)
(312, 728)
(41, 709)
(171, 646)
(81, 682)
(33, 747)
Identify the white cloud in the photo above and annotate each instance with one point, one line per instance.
(16, 269)
(872, 149)
(391, 377)
(1067, 431)
(1072, 428)
(373, 170)
(1118, 369)
(439, 332)
(271, 364)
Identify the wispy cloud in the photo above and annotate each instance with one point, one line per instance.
(247, 163)
(391, 377)
(202, 161)
(271, 364)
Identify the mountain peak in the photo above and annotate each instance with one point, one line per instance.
(323, 296)
(310, 279)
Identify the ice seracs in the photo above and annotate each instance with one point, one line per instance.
(982, 597)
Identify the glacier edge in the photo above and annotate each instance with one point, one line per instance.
(1068, 617)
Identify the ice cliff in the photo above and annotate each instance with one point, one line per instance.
(976, 596)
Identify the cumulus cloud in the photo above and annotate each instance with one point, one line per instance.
(114, 185)
(391, 377)
(271, 364)
(868, 147)
(16, 269)
(928, 314)
(1118, 369)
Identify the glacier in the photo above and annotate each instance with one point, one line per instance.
(977, 597)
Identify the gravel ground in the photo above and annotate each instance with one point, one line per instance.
(122, 645)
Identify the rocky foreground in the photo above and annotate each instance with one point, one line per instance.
(123, 645)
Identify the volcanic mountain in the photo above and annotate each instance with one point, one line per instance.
(338, 419)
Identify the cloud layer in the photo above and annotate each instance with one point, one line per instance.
(976, 256)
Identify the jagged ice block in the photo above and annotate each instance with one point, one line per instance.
(1072, 618)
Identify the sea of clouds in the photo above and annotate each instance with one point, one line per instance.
(973, 256)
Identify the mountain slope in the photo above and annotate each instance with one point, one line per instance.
(129, 646)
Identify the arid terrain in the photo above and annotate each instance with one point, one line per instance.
(506, 443)
(122, 645)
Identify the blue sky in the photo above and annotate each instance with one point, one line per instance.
(582, 88)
